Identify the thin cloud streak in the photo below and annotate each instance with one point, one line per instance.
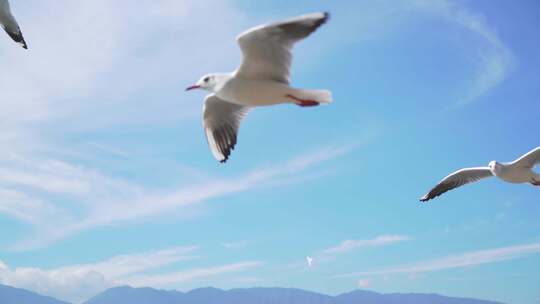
(78, 282)
(349, 245)
(492, 60)
(466, 259)
(235, 245)
(495, 61)
(330, 254)
(189, 275)
(116, 201)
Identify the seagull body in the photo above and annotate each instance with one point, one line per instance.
(516, 172)
(261, 80)
(10, 25)
(261, 93)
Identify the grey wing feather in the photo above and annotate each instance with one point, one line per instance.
(267, 48)
(457, 179)
(221, 121)
(17, 36)
(10, 25)
(530, 159)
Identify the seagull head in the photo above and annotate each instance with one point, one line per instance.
(493, 165)
(207, 82)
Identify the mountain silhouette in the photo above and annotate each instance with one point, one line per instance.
(211, 295)
(11, 295)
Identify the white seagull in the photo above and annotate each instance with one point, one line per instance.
(9, 24)
(517, 172)
(309, 261)
(261, 80)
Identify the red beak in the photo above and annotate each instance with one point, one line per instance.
(193, 87)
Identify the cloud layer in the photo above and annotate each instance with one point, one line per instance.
(79, 282)
(349, 245)
(467, 259)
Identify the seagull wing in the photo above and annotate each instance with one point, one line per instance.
(530, 159)
(221, 120)
(9, 24)
(457, 179)
(267, 48)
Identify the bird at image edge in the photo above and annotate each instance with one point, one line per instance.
(10, 25)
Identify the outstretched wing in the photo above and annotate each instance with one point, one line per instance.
(530, 159)
(267, 48)
(9, 24)
(221, 120)
(457, 179)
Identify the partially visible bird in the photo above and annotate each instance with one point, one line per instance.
(261, 80)
(309, 261)
(10, 25)
(518, 171)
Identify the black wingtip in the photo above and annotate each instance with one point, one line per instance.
(18, 37)
(427, 197)
(325, 18)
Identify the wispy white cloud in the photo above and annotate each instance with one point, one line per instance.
(349, 245)
(235, 244)
(128, 264)
(494, 60)
(491, 60)
(331, 253)
(79, 282)
(467, 259)
(194, 274)
(114, 201)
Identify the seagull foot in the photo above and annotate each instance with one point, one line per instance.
(303, 102)
(308, 103)
(535, 183)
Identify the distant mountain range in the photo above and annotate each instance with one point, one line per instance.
(129, 295)
(266, 296)
(11, 295)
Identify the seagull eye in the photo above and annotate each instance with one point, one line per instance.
(206, 79)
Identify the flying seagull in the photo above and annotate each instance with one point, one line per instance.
(9, 24)
(518, 171)
(261, 80)
(309, 261)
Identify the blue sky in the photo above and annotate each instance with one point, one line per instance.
(106, 178)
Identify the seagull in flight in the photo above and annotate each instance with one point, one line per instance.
(309, 261)
(9, 24)
(262, 79)
(517, 172)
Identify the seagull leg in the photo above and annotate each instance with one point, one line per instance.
(303, 102)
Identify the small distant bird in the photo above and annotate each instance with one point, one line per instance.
(261, 80)
(10, 25)
(518, 171)
(309, 261)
